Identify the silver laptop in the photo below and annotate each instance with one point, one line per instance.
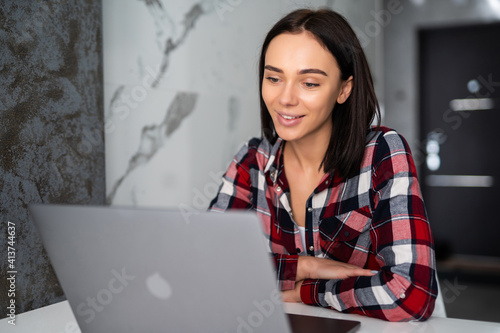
(151, 270)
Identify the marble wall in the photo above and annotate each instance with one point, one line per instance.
(51, 133)
(181, 91)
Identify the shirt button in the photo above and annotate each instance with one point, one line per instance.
(346, 233)
(309, 209)
(278, 189)
(327, 182)
(402, 295)
(311, 248)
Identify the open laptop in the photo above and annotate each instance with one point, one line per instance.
(152, 270)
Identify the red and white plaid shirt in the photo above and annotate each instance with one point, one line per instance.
(375, 220)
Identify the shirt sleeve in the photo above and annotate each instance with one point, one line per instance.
(236, 192)
(405, 287)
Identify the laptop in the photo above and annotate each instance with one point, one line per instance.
(152, 270)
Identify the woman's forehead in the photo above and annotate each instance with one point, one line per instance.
(299, 51)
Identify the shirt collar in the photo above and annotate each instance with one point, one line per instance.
(272, 166)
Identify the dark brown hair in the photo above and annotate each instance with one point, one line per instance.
(352, 119)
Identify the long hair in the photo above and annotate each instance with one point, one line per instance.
(351, 120)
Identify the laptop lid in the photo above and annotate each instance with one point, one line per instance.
(146, 270)
(149, 270)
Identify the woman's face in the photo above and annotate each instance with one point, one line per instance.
(302, 82)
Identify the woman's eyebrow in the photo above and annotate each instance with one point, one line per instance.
(313, 71)
(302, 71)
(273, 69)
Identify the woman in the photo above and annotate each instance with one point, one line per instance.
(339, 200)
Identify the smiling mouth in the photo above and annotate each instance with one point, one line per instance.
(290, 117)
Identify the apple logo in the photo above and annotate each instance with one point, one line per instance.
(158, 286)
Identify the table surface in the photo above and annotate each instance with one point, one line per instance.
(58, 318)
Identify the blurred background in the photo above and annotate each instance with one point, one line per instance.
(144, 103)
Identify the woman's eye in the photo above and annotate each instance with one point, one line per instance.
(311, 85)
(272, 79)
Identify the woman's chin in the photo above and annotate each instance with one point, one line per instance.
(287, 136)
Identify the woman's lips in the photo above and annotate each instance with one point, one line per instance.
(288, 120)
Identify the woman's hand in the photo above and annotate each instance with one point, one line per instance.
(293, 295)
(327, 269)
(324, 269)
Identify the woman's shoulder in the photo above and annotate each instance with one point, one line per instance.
(257, 150)
(382, 135)
(251, 146)
(385, 143)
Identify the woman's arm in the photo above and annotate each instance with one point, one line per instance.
(325, 269)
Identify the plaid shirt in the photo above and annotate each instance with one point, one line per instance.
(375, 220)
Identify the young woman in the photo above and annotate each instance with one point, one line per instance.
(339, 200)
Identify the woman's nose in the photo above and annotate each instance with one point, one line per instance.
(288, 95)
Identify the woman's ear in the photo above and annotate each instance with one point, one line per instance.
(345, 90)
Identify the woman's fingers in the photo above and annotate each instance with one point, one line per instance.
(330, 270)
(319, 268)
(327, 271)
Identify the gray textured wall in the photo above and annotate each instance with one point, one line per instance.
(51, 133)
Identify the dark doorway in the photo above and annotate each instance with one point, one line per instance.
(460, 128)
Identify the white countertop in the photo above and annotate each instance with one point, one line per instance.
(58, 318)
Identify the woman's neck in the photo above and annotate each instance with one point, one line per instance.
(306, 155)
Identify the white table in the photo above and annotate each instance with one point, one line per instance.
(58, 318)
